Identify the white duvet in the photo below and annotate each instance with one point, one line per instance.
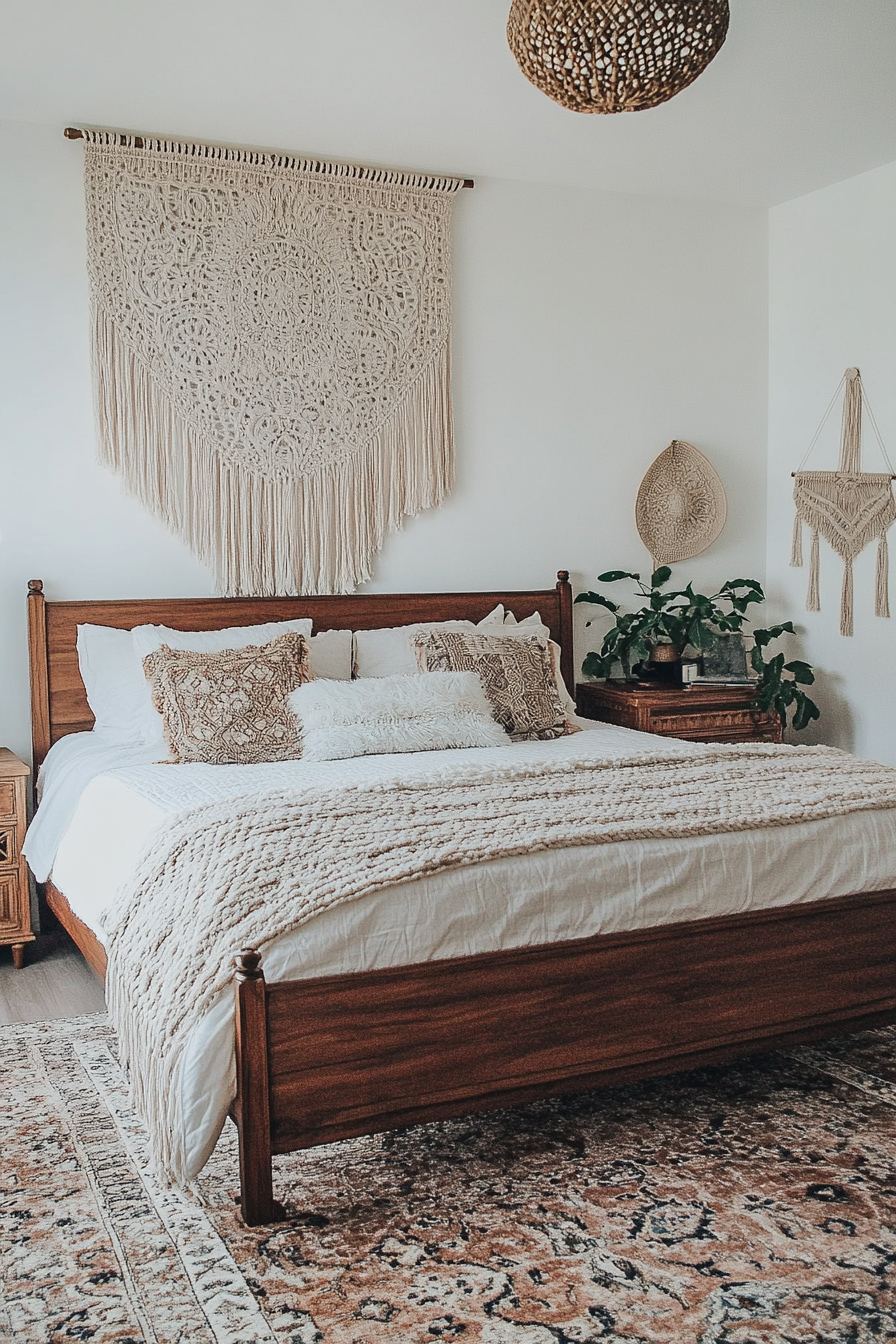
(101, 804)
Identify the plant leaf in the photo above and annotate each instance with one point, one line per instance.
(598, 601)
(750, 584)
(802, 672)
(594, 665)
(807, 710)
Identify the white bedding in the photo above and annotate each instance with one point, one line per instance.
(101, 805)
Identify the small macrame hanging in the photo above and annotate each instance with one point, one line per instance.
(848, 507)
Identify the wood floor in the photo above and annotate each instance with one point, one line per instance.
(54, 982)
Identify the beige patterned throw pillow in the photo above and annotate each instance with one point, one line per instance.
(230, 707)
(517, 674)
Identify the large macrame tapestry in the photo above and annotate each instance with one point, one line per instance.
(848, 507)
(271, 352)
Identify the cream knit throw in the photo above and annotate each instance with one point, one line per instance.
(240, 873)
(270, 349)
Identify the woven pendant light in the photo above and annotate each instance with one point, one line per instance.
(615, 55)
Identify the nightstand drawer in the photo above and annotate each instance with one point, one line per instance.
(14, 916)
(15, 891)
(696, 713)
(9, 849)
(734, 723)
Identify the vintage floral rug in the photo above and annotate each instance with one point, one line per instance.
(751, 1204)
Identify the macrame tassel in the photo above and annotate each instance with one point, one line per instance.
(812, 600)
(846, 600)
(796, 550)
(882, 593)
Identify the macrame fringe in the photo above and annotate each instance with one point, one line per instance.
(850, 510)
(356, 172)
(882, 586)
(846, 600)
(266, 537)
(813, 602)
(796, 549)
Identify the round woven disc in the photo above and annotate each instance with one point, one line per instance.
(681, 506)
(615, 55)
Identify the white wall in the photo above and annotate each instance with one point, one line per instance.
(832, 267)
(590, 329)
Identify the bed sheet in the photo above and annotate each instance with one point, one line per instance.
(514, 902)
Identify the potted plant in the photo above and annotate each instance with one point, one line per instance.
(669, 622)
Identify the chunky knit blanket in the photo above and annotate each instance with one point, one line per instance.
(242, 872)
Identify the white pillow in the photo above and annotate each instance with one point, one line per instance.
(390, 652)
(116, 688)
(379, 715)
(534, 619)
(145, 639)
(331, 654)
(113, 679)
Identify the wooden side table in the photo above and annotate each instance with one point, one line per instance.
(15, 895)
(695, 713)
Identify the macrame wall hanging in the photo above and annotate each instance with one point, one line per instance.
(270, 343)
(848, 507)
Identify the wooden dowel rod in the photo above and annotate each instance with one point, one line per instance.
(873, 473)
(73, 133)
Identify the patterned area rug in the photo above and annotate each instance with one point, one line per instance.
(752, 1204)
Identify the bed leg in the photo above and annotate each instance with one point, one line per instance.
(252, 1108)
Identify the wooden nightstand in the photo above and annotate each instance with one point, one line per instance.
(15, 896)
(696, 713)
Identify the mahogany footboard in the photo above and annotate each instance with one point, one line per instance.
(333, 1057)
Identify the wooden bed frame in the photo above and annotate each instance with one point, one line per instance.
(336, 1056)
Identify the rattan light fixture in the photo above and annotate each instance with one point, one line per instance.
(615, 55)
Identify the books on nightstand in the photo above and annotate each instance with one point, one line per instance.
(722, 681)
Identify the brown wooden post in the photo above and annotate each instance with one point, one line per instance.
(566, 655)
(252, 1106)
(40, 680)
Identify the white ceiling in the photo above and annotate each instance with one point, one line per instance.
(802, 94)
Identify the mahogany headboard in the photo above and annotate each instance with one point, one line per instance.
(59, 701)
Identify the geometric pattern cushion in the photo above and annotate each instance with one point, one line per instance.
(517, 674)
(230, 707)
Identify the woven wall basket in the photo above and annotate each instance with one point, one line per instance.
(615, 55)
(681, 506)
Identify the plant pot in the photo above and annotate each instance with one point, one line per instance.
(663, 668)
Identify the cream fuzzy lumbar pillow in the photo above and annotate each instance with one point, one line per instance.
(380, 715)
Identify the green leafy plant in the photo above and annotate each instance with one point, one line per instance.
(684, 618)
